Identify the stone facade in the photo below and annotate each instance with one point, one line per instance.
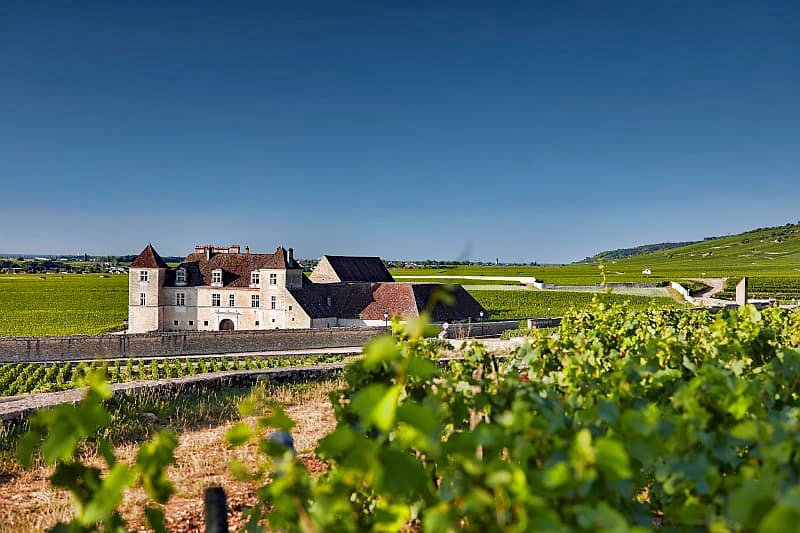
(219, 288)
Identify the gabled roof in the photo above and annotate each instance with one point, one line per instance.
(368, 301)
(349, 268)
(149, 258)
(236, 268)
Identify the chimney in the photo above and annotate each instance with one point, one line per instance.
(291, 255)
(247, 249)
(199, 249)
(208, 252)
(235, 249)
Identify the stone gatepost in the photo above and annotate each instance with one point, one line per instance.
(741, 292)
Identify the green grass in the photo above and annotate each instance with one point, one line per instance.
(460, 281)
(518, 305)
(62, 304)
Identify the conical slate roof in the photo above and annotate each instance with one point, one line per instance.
(149, 258)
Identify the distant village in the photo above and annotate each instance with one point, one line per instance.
(64, 265)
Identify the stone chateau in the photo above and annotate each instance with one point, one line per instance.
(219, 288)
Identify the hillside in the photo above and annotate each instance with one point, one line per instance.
(769, 256)
(761, 251)
(621, 253)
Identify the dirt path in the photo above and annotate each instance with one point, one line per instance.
(717, 285)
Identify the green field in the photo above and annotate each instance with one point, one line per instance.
(518, 305)
(459, 281)
(91, 303)
(62, 304)
(771, 254)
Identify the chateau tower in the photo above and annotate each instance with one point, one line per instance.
(147, 275)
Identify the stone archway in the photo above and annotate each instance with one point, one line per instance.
(226, 325)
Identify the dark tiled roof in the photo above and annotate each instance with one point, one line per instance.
(368, 301)
(236, 268)
(149, 258)
(463, 305)
(359, 268)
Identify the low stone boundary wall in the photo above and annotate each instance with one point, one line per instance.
(19, 407)
(536, 323)
(480, 329)
(611, 285)
(14, 408)
(683, 291)
(75, 347)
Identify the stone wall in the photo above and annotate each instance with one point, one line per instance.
(611, 285)
(479, 329)
(536, 323)
(683, 291)
(24, 349)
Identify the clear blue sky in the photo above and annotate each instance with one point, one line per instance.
(521, 130)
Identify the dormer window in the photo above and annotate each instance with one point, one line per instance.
(216, 277)
(144, 275)
(180, 276)
(255, 278)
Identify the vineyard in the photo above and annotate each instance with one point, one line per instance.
(623, 420)
(518, 305)
(766, 252)
(783, 289)
(62, 304)
(26, 378)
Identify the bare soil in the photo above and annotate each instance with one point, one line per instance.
(29, 503)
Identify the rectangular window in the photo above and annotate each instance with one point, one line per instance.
(180, 299)
(216, 276)
(232, 301)
(290, 308)
(273, 303)
(180, 276)
(215, 300)
(142, 299)
(255, 278)
(256, 322)
(255, 300)
(144, 275)
(273, 279)
(191, 322)
(205, 322)
(175, 322)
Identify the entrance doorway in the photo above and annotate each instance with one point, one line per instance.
(226, 325)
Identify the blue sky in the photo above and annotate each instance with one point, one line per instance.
(541, 131)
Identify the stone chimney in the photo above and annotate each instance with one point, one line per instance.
(247, 249)
(208, 252)
(291, 255)
(235, 249)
